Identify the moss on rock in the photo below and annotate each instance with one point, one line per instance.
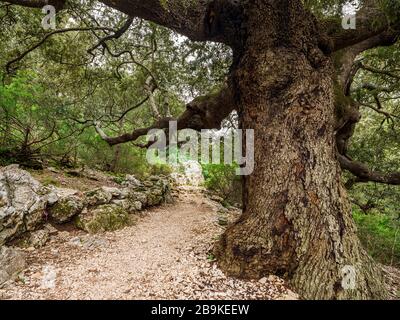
(104, 218)
(66, 208)
(98, 196)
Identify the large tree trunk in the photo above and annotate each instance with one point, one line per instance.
(297, 220)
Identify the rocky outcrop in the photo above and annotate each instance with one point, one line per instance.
(39, 238)
(109, 217)
(109, 209)
(132, 182)
(68, 203)
(23, 202)
(12, 262)
(98, 197)
(158, 190)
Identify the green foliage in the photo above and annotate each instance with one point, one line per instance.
(332, 8)
(376, 143)
(380, 235)
(53, 94)
(223, 180)
(29, 117)
(392, 9)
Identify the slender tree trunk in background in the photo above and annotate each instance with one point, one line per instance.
(24, 150)
(6, 142)
(297, 219)
(116, 158)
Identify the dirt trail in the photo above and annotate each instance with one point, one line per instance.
(164, 256)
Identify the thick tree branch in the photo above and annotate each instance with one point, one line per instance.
(373, 28)
(202, 113)
(364, 174)
(349, 67)
(200, 20)
(379, 71)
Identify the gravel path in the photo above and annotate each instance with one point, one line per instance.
(164, 256)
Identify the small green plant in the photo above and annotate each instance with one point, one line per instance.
(118, 178)
(211, 257)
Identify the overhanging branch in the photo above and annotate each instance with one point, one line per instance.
(202, 113)
(115, 35)
(373, 28)
(364, 174)
(200, 20)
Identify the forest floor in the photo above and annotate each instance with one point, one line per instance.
(166, 255)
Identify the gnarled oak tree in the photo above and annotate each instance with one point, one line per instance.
(290, 82)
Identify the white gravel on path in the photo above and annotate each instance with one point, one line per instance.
(164, 256)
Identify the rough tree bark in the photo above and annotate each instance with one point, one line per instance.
(297, 219)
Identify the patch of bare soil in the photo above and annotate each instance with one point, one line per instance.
(166, 255)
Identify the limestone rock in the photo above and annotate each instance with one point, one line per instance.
(50, 229)
(12, 262)
(69, 204)
(52, 197)
(154, 197)
(131, 181)
(98, 197)
(136, 205)
(216, 198)
(89, 242)
(22, 202)
(108, 217)
(117, 193)
(148, 184)
(39, 238)
(138, 196)
(129, 205)
(159, 192)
